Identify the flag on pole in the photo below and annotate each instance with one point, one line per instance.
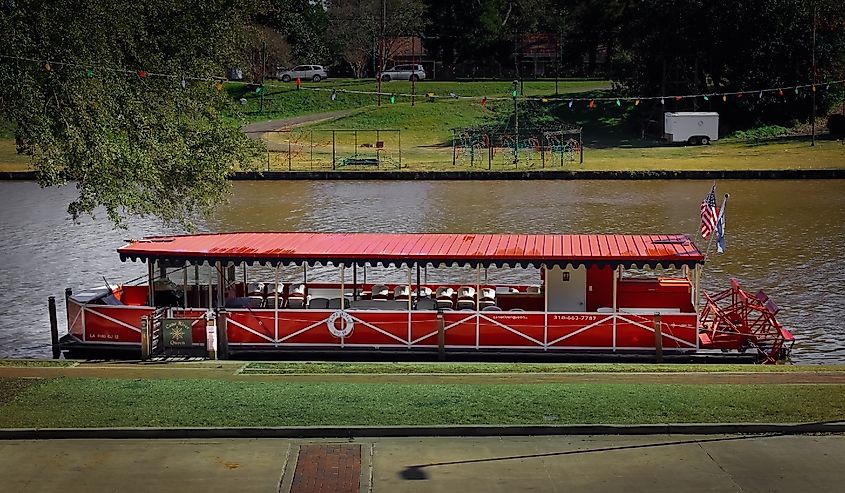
(709, 213)
(720, 227)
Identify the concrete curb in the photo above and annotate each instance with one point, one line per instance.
(422, 431)
(786, 174)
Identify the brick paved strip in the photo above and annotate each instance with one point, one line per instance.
(330, 468)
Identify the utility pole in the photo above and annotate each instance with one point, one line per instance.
(413, 70)
(515, 124)
(381, 50)
(813, 141)
(557, 59)
(263, 70)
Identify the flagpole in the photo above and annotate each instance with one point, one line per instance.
(712, 236)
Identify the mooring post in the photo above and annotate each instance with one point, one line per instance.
(658, 339)
(145, 338)
(222, 337)
(211, 333)
(441, 336)
(54, 327)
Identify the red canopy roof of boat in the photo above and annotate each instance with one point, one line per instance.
(411, 248)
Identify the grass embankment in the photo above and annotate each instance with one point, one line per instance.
(286, 368)
(10, 160)
(85, 402)
(426, 135)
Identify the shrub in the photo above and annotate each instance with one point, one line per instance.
(836, 125)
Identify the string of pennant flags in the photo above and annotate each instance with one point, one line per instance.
(89, 71)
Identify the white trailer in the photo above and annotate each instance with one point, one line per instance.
(693, 127)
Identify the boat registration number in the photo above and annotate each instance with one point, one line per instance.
(576, 318)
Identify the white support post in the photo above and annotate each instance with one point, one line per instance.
(185, 286)
(151, 281)
(210, 288)
(342, 286)
(545, 271)
(276, 307)
(616, 274)
(477, 308)
(410, 301)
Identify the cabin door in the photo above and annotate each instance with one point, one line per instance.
(567, 289)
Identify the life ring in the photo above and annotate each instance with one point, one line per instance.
(347, 325)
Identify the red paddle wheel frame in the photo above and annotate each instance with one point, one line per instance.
(734, 319)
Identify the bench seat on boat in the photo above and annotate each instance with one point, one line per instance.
(379, 305)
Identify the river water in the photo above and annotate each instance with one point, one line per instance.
(785, 237)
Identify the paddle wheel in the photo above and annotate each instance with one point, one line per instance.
(736, 320)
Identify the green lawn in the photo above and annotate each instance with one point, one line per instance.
(10, 160)
(426, 131)
(274, 367)
(86, 402)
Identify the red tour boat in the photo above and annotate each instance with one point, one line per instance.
(557, 295)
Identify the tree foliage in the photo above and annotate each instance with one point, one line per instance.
(361, 29)
(304, 24)
(133, 144)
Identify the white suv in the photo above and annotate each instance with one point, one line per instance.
(303, 72)
(404, 72)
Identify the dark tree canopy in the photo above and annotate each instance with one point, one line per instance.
(134, 143)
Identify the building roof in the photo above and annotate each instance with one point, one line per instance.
(409, 249)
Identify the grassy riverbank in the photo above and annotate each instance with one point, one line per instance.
(426, 135)
(321, 368)
(95, 402)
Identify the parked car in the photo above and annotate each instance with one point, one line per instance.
(303, 72)
(404, 72)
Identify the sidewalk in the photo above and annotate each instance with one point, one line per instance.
(558, 463)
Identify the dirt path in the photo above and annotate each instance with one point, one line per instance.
(255, 130)
(230, 371)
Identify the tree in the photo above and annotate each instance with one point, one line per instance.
(265, 50)
(304, 24)
(98, 114)
(357, 27)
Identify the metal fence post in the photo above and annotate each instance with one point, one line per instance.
(454, 155)
(581, 144)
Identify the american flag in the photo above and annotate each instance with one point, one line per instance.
(709, 213)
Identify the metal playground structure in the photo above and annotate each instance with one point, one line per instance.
(332, 149)
(529, 148)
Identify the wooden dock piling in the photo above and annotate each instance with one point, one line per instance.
(54, 327)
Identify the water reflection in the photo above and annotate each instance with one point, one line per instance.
(785, 237)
